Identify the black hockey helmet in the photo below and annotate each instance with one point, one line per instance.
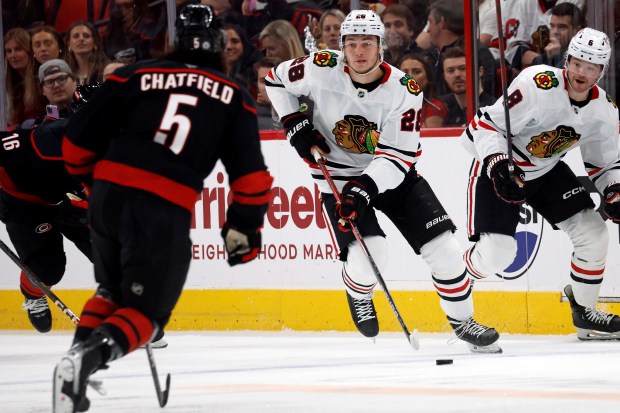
(197, 29)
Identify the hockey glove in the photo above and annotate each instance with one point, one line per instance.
(73, 210)
(356, 196)
(612, 202)
(303, 137)
(496, 167)
(241, 246)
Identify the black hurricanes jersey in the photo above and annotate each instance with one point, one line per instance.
(160, 126)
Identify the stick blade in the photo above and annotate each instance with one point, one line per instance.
(165, 393)
(414, 340)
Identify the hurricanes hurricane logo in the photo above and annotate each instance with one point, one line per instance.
(550, 143)
(325, 59)
(356, 134)
(610, 100)
(412, 85)
(546, 80)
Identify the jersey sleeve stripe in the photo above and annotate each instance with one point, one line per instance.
(118, 79)
(253, 188)
(39, 153)
(77, 159)
(394, 158)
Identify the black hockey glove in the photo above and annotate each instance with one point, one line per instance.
(73, 210)
(496, 167)
(241, 246)
(612, 202)
(356, 196)
(303, 137)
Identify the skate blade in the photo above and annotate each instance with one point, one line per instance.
(592, 335)
(490, 349)
(61, 402)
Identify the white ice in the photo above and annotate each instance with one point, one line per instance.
(292, 372)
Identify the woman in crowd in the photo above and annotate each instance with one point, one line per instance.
(418, 68)
(329, 29)
(85, 56)
(47, 44)
(280, 39)
(239, 54)
(23, 92)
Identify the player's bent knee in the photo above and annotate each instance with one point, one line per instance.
(49, 267)
(444, 256)
(493, 253)
(588, 233)
(358, 266)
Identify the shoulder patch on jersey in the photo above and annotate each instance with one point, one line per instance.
(356, 134)
(324, 58)
(546, 80)
(412, 85)
(610, 100)
(551, 143)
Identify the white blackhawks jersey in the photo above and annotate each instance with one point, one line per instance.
(545, 125)
(375, 133)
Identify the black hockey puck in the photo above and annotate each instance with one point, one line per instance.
(441, 362)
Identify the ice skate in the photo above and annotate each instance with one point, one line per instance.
(39, 313)
(71, 375)
(159, 341)
(479, 339)
(364, 316)
(591, 323)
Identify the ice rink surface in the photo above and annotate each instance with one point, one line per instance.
(293, 372)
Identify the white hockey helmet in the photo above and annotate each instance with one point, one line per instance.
(591, 46)
(362, 22)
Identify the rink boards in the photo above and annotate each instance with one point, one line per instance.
(295, 283)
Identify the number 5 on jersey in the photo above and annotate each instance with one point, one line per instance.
(171, 117)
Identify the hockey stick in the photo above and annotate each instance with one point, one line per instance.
(412, 338)
(162, 396)
(504, 79)
(32, 277)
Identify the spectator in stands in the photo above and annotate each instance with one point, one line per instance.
(487, 21)
(280, 39)
(329, 29)
(136, 30)
(398, 22)
(47, 44)
(264, 111)
(23, 93)
(239, 54)
(446, 29)
(416, 66)
(58, 84)
(85, 55)
(454, 73)
(566, 20)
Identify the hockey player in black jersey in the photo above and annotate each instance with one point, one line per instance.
(39, 201)
(149, 138)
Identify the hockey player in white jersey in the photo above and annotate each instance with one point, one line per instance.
(551, 111)
(366, 123)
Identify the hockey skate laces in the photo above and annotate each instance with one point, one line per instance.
(35, 306)
(363, 309)
(597, 316)
(469, 326)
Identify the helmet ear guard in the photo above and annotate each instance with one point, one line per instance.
(198, 30)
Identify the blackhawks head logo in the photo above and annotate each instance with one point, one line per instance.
(412, 85)
(546, 80)
(325, 59)
(551, 143)
(356, 134)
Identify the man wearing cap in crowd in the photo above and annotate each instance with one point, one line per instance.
(58, 84)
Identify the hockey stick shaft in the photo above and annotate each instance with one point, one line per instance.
(32, 277)
(410, 337)
(162, 396)
(504, 80)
